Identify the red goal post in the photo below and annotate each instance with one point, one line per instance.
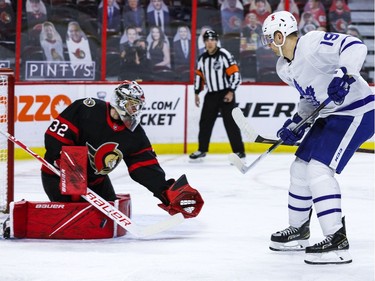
(6, 146)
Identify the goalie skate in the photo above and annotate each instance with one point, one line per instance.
(5, 228)
(332, 250)
(291, 238)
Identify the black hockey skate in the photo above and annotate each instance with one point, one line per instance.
(332, 250)
(6, 228)
(291, 238)
(197, 156)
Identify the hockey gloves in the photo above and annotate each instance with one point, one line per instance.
(286, 133)
(183, 199)
(340, 85)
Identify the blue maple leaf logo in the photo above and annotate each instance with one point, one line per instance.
(308, 94)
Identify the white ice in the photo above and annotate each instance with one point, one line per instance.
(227, 241)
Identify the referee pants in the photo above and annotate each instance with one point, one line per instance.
(212, 105)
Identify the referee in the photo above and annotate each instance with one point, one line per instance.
(219, 71)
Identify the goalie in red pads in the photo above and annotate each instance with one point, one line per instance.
(112, 133)
(109, 133)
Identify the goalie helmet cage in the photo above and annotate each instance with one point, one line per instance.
(6, 146)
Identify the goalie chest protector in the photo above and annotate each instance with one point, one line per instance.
(62, 220)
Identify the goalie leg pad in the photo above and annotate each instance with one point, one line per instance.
(56, 220)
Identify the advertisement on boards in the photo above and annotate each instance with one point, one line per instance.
(37, 106)
(266, 108)
(43, 71)
(163, 117)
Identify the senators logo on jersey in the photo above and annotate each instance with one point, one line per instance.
(104, 159)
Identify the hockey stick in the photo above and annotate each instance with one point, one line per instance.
(104, 206)
(253, 136)
(236, 161)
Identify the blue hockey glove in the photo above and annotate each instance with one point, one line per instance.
(340, 85)
(286, 132)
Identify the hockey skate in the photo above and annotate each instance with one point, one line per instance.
(197, 156)
(332, 250)
(291, 238)
(6, 229)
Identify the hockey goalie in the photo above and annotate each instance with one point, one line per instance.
(85, 143)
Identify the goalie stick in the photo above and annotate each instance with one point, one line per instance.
(253, 136)
(236, 161)
(104, 206)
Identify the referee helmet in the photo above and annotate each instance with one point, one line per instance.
(210, 34)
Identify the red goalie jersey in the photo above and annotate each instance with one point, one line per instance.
(111, 133)
(87, 122)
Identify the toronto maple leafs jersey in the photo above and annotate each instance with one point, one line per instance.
(87, 122)
(316, 57)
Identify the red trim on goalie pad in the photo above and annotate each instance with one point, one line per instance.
(55, 220)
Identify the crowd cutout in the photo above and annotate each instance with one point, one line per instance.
(151, 39)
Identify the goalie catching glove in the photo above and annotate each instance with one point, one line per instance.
(182, 198)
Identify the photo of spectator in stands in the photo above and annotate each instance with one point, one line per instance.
(307, 23)
(158, 49)
(316, 9)
(181, 48)
(134, 15)
(353, 31)
(133, 53)
(113, 16)
(7, 21)
(293, 8)
(232, 15)
(249, 5)
(251, 32)
(339, 16)
(158, 15)
(265, 65)
(262, 9)
(51, 42)
(78, 45)
(36, 14)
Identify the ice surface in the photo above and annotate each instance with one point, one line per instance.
(227, 241)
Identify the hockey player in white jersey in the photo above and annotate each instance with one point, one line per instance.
(320, 65)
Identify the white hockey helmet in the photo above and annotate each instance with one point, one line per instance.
(128, 100)
(283, 22)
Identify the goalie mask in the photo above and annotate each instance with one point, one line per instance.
(283, 22)
(128, 100)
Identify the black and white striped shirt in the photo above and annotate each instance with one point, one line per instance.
(218, 71)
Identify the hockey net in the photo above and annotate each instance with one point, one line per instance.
(6, 147)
